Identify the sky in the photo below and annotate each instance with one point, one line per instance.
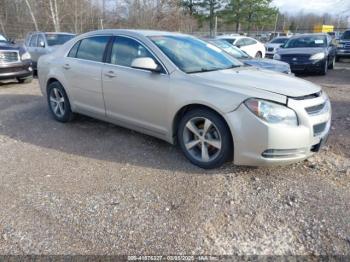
(335, 7)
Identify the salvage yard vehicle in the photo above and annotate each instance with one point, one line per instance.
(249, 45)
(40, 43)
(183, 90)
(274, 44)
(263, 63)
(343, 48)
(15, 62)
(308, 53)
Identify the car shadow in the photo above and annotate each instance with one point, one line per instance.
(26, 118)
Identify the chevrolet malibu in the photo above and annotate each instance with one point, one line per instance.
(183, 90)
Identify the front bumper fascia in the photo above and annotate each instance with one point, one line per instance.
(257, 143)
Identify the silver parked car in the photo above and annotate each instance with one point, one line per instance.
(183, 90)
(40, 43)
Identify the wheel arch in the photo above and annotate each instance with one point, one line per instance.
(181, 112)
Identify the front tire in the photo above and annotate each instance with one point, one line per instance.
(59, 103)
(325, 67)
(205, 138)
(25, 80)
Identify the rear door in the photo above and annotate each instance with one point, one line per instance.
(83, 68)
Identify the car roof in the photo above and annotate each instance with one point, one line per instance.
(135, 32)
(310, 34)
(233, 36)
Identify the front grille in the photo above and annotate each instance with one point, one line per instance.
(313, 110)
(319, 128)
(270, 49)
(8, 57)
(347, 45)
(295, 58)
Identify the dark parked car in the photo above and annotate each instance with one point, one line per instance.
(237, 53)
(40, 43)
(343, 49)
(15, 62)
(308, 53)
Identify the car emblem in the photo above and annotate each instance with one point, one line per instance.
(295, 59)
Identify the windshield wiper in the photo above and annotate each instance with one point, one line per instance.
(203, 70)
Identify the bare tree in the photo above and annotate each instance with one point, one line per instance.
(32, 15)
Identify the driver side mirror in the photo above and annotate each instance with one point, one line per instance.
(145, 63)
(41, 44)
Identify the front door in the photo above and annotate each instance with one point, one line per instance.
(133, 96)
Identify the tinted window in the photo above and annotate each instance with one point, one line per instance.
(249, 41)
(93, 48)
(230, 40)
(57, 39)
(192, 55)
(240, 42)
(125, 50)
(346, 35)
(33, 41)
(74, 50)
(41, 40)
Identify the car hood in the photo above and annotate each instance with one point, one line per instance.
(273, 45)
(306, 51)
(269, 64)
(245, 77)
(8, 46)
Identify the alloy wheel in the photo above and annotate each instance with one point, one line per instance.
(202, 139)
(57, 102)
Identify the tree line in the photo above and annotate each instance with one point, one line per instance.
(18, 17)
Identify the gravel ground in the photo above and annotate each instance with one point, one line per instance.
(89, 187)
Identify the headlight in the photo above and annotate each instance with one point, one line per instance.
(276, 57)
(26, 56)
(317, 56)
(340, 45)
(272, 113)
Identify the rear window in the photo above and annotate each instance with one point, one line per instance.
(57, 39)
(230, 40)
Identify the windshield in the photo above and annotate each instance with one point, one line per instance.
(279, 40)
(192, 55)
(232, 50)
(306, 41)
(2, 39)
(346, 35)
(58, 39)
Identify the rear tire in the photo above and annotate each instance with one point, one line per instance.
(205, 138)
(258, 55)
(58, 102)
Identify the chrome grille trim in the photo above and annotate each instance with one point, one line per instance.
(7, 57)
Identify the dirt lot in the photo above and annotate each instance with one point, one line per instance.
(89, 187)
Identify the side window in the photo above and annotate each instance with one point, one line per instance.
(41, 40)
(74, 50)
(93, 48)
(33, 41)
(231, 41)
(250, 41)
(240, 42)
(125, 50)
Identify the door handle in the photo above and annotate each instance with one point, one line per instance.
(66, 66)
(110, 74)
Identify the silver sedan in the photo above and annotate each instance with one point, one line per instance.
(183, 90)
